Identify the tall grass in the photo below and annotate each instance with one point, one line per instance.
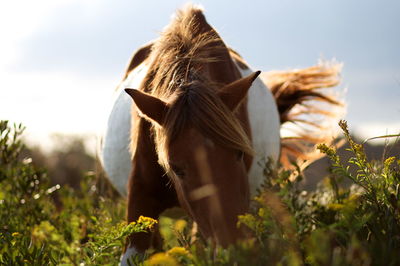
(333, 225)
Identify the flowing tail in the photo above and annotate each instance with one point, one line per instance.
(308, 109)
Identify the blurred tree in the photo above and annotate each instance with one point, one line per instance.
(68, 162)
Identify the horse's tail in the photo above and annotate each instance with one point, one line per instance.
(308, 110)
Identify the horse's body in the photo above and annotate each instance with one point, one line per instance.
(202, 117)
(264, 121)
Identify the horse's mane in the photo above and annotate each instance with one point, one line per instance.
(181, 49)
(176, 75)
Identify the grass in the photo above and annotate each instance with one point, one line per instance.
(334, 225)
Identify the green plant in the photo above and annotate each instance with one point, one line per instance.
(88, 228)
(333, 225)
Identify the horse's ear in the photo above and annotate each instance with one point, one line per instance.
(149, 106)
(233, 93)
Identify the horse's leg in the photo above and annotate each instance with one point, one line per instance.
(149, 193)
(149, 200)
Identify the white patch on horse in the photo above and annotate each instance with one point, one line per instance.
(265, 129)
(115, 154)
(131, 251)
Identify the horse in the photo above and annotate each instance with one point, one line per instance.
(192, 127)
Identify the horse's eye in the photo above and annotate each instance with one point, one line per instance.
(178, 171)
(240, 155)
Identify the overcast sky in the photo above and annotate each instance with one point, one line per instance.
(61, 60)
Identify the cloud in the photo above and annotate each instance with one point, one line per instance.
(20, 20)
(94, 39)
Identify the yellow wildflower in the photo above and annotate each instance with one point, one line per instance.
(147, 221)
(161, 259)
(335, 206)
(180, 225)
(45, 231)
(353, 197)
(261, 212)
(15, 234)
(327, 150)
(178, 252)
(144, 219)
(389, 161)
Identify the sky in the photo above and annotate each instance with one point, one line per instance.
(60, 61)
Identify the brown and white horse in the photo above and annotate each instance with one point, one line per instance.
(201, 128)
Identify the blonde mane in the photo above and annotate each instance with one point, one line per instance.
(177, 75)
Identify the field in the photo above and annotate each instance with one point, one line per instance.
(42, 223)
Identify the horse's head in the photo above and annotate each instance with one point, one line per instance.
(205, 151)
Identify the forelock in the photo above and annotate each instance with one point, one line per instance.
(198, 106)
